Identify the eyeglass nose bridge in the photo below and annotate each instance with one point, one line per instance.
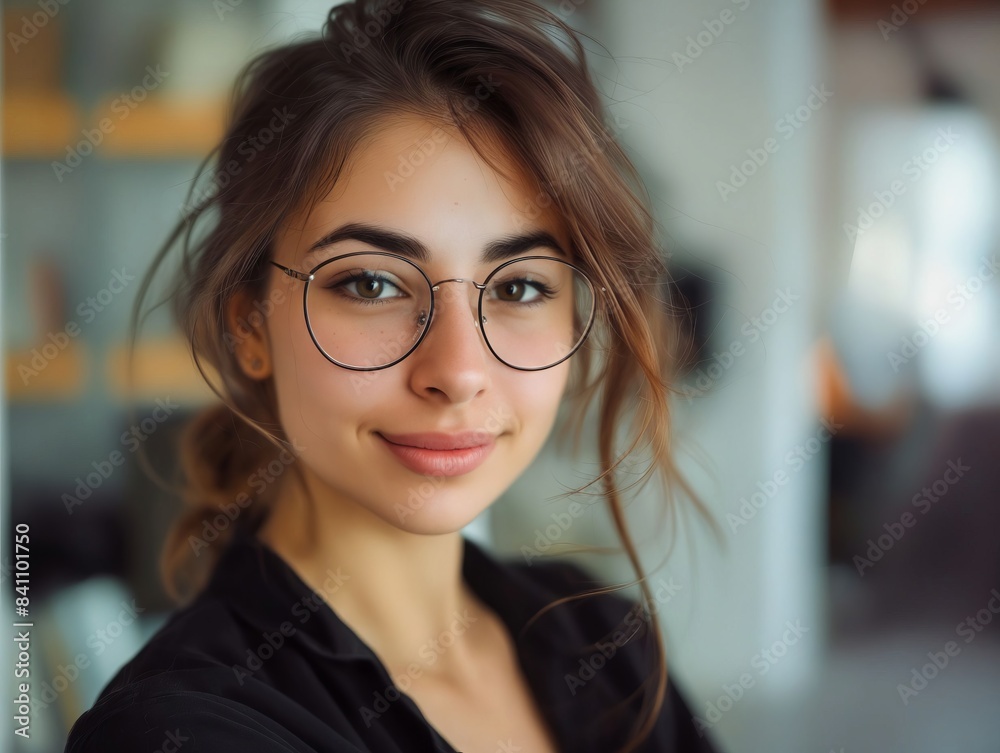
(480, 286)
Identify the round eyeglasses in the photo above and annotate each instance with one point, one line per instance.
(369, 310)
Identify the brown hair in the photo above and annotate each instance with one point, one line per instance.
(432, 58)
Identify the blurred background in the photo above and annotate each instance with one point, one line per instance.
(826, 176)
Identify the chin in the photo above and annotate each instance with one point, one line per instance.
(434, 513)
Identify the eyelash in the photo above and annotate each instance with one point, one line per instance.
(544, 291)
(357, 277)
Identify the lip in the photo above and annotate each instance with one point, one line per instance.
(436, 454)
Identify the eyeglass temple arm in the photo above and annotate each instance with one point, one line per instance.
(292, 272)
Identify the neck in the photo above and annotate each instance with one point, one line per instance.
(402, 593)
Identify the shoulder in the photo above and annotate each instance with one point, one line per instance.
(202, 635)
(151, 715)
(615, 627)
(179, 692)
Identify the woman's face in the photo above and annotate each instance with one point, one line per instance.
(454, 204)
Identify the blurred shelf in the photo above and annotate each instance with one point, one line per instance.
(39, 124)
(50, 125)
(161, 128)
(46, 373)
(162, 368)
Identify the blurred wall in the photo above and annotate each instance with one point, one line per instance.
(695, 86)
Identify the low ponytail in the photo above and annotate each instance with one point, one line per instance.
(221, 458)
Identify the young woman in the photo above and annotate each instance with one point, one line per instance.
(419, 241)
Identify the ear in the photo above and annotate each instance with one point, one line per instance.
(247, 335)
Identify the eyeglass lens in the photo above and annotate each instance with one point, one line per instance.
(368, 310)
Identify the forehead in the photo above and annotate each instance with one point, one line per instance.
(418, 178)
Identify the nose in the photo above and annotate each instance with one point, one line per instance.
(452, 359)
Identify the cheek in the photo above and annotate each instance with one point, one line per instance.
(535, 397)
(315, 397)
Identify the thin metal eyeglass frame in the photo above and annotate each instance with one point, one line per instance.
(307, 278)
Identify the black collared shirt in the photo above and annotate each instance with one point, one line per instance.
(260, 662)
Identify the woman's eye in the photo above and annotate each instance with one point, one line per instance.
(518, 291)
(369, 287)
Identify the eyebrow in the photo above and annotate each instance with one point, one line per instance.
(406, 245)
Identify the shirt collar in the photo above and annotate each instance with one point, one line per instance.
(266, 592)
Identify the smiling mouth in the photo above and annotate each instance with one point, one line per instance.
(439, 441)
(454, 461)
